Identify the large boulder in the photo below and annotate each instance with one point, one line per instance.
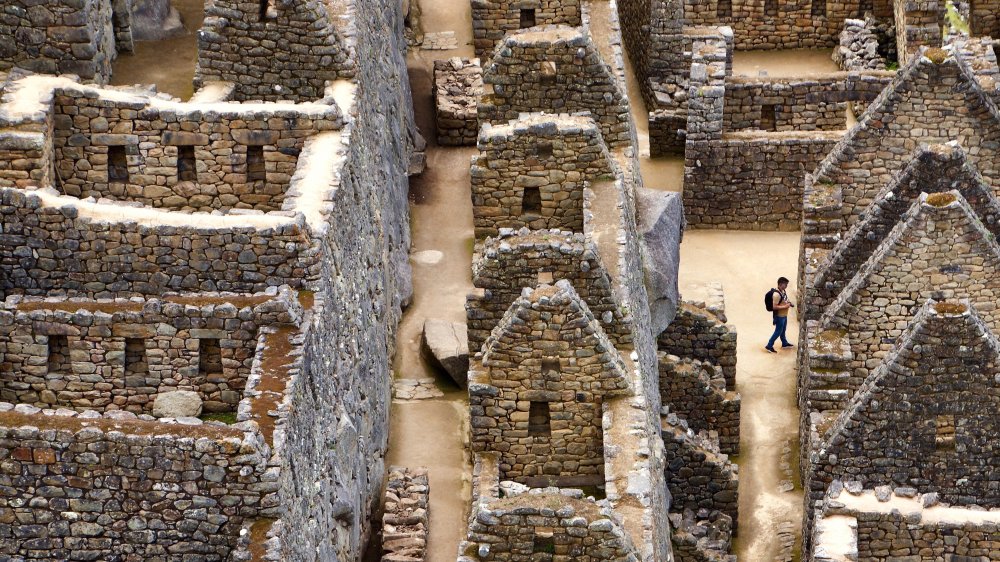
(447, 344)
(155, 20)
(177, 404)
(661, 225)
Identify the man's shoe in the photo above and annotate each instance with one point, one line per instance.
(784, 345)
(770, 349)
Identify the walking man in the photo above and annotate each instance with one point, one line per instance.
(777, 302)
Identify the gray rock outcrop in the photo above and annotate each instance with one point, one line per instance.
(661, 223)
(155, 20)
(177, 404)
(447, 343)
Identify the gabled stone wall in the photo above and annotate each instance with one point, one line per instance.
(554, 69)
(276, 50)
(696, 392)
(558, 156)
(698, 475)
(699, 333)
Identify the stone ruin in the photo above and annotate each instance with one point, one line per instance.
(898, 322)
(185, 333)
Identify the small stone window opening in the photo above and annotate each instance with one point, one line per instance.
(771, 7)
(59, 360)
(768, 117)
(544, 150)
(724, 9)
(255, 163)
(209, 356)
(944, 437)
(117, 164)
(819, 8)
(187, 169)
(135, 358)
(549, 72)
(527, 18)
(539, 419)
(550, 367)
(531, 202)
(267, 11)
(544, 543)
(545, 278)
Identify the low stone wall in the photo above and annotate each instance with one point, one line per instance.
(58, 37)
(554, 157)
(493, 19)
(131, 148)
(458, 84)
(698, 475)
(121, 354)
(274, 254)
(775, 24)
(404, 521)
(696, 392)
(859, 48)
(666, 132)
(534, 525)
(699, 333)
(775, 104)
(77, 486)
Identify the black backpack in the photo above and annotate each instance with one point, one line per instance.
(769, 300)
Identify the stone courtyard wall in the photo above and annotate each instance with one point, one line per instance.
(493, 19)
(554, 69)
(918, 24)
(278, 50)
(99, 375)
(777, 24)
(817, 103)
(87, 123)
(78, 487)
(64, 37)
(557, 155)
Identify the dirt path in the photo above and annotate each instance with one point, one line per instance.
(792, 63)
(170, 63)
(747, 264)
(434, 432)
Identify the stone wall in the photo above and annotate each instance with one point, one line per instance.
(552, 157)
(277, 50)
(77, 486)
(537, 389)
(241, 157)
(404, 521)
(815, 104)
(883, 525)
(492, 20)
(554, 69)
(698, 333)
(696, 392)
(458, 84)
(984, 18)
(80, 253)
(859, 48)
(512, 261)
(776, 24)
(698, 475)
(918, 24)
(546, 524)
(64, 36)
(121, 354)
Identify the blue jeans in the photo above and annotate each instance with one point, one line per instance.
(780, 323)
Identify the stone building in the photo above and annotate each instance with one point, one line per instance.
(492, 20)
(80, 37)
(164, 258)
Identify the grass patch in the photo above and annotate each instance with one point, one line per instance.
(941, 199)
(950, 308)
(228, 418)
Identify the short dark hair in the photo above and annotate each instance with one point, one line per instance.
(782, 280)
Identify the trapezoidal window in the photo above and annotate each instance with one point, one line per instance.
(59, 361)
(771, 7)
(267, 11)
(531, 202)
(135, 358)
(187, 168)
(527, 18)
(544, 543)
(209, 356)
(117, 164)
(255, 163)
(548, 72)
(724, 9)
(944, 432)
(544, 150)
(819, 8)
(539, 419)
(768, 117)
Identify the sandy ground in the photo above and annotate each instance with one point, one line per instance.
(434, 433)
(170, 63)
(797, 63)
(747, 264)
